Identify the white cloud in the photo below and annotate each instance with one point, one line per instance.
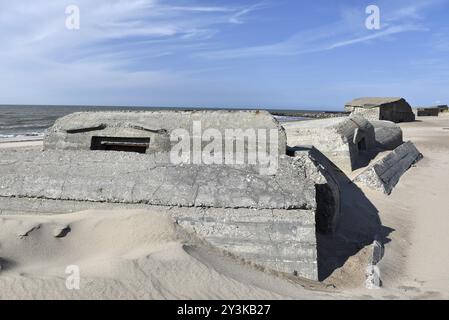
(41, 58)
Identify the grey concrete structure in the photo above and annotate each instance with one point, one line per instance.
(385, 173)
(388, 134)
(321, 171)
(149, 131)
(342, 140)
(270, 220)
(390, 109)
(427, 112)
(134, 178)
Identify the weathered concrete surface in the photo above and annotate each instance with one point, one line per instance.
(427, 112)
(388, 134)
(134, 178)
(342, 140)
(322, 171)
(390, 109)
(268, 220)
(76, 131)
(385, 173)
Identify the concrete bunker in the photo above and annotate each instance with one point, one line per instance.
(269, 219)
(134, 130)
(443, 108)
(427, 111)
(390, 109)
(343, 140)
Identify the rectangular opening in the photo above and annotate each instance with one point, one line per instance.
(139, 145)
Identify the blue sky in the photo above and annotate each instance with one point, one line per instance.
(234, 53)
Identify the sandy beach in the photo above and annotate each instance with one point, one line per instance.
(136, 254)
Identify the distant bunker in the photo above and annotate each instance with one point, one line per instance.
(390, 109)
(122, 160)
(443, 108)
(343, 140)
(427, 112)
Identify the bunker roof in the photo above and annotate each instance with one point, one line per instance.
(372, 102)
(343, 126)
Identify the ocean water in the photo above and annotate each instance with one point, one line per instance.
(32, 121)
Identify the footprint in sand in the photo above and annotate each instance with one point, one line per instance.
(61, 231)
(5, 264)
(27, 230)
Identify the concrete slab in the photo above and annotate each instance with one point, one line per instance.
(385, 174)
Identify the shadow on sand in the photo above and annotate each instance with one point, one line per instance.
(359, 225)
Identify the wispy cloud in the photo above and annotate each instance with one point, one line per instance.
(166, 49)
(347, 31)
(237, 17)
(40, 53)
(378, 35)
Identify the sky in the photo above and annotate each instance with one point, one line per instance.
(280, 54)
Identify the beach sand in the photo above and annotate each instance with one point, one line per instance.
(20, 143)
(146, 255)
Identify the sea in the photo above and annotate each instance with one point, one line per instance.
(23, 121)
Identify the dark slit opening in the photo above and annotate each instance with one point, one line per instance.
(138, 145)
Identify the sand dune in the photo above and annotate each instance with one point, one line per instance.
(124, 255)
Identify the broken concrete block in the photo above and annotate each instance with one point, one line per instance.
(385, 173)
(388, 134)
